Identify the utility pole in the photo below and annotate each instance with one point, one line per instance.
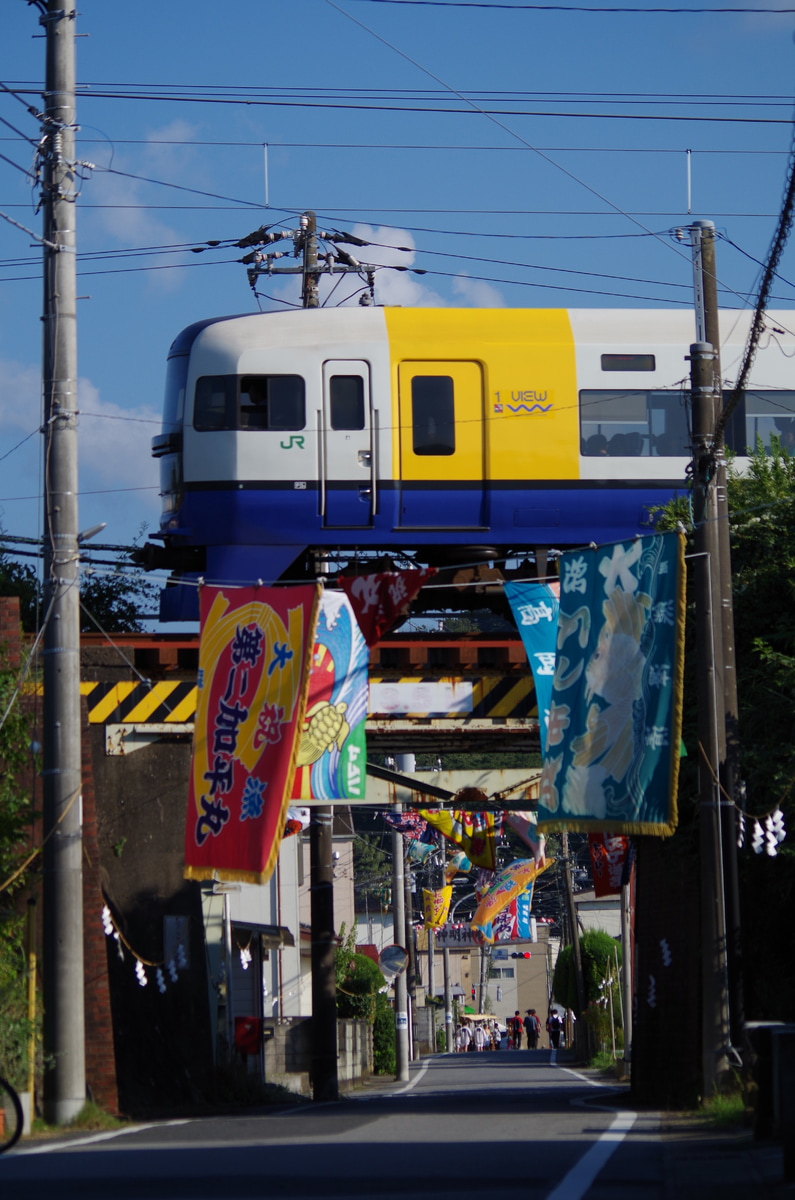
(325, 1082)
(448, 1002)
(707, 330)
(714, 981)
(64, 1004)
(309, 286)
(576, 951)
(401, 983)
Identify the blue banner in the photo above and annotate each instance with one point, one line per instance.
(612, 754)
(535, 610)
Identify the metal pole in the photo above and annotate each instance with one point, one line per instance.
(64, 1003)
(715, 1015)
(448, 1002)
(325, 1083)
(703, 236)
(401, 984)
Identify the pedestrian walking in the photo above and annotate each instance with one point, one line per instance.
(554, 1028)
(532, 1027)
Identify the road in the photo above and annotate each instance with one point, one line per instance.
(502, 1126)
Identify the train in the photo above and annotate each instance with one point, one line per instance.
(449, 435)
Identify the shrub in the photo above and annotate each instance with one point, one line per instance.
(384, 1058)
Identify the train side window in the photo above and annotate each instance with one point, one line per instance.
(634, 424)
(346, 402)
(272, 402)
(432, 414)
(767, 414)
(215, 403)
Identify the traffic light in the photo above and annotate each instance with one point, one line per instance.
(521, 954)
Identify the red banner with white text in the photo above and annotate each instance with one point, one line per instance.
(254, 660)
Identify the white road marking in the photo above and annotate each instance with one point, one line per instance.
(413, 1083)
(574, 1185)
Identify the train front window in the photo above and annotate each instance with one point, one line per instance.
(346, 402)
(215, 403)
(432, 414)
(272, 402)
(634, 424)
(249, 402)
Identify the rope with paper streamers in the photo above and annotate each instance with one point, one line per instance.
(177, 962)
(768, 830)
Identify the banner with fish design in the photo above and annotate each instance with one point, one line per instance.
(332, 752)
(612, 756)
(512, 881)
(535, 610)
(254, 657)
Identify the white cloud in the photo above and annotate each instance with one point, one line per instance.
(476, 293)
(386, 248)
(125, 216)
(114, 451)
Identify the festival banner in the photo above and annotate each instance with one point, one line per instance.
(410, 824)
(436, 906)
(516, 878)
(535, 610)
(525, 824)
(254, 658)
(331, 752)
(378, 600)
(609, 862)
(612, 756)
(457, 862)
(475, 832)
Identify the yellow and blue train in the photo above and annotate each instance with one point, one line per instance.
(432, 431)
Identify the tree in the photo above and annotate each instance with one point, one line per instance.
(598, 950)
(16, 817)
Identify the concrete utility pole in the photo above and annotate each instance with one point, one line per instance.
(64, 1005)
(325, 1081)
(714, 978)
(401, 983)
(580, 1031)
(309, 288)
(708, 330)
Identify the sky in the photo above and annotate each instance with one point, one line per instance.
(519, 155)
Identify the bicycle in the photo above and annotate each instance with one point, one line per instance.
(10, 1116)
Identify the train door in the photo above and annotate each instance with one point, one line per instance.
(442, 445)
(347, 466)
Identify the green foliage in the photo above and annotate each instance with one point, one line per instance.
(598, 951)
(384, 1058)
(22, 581)
(16, 815)
(356, 995)
(372, 871)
